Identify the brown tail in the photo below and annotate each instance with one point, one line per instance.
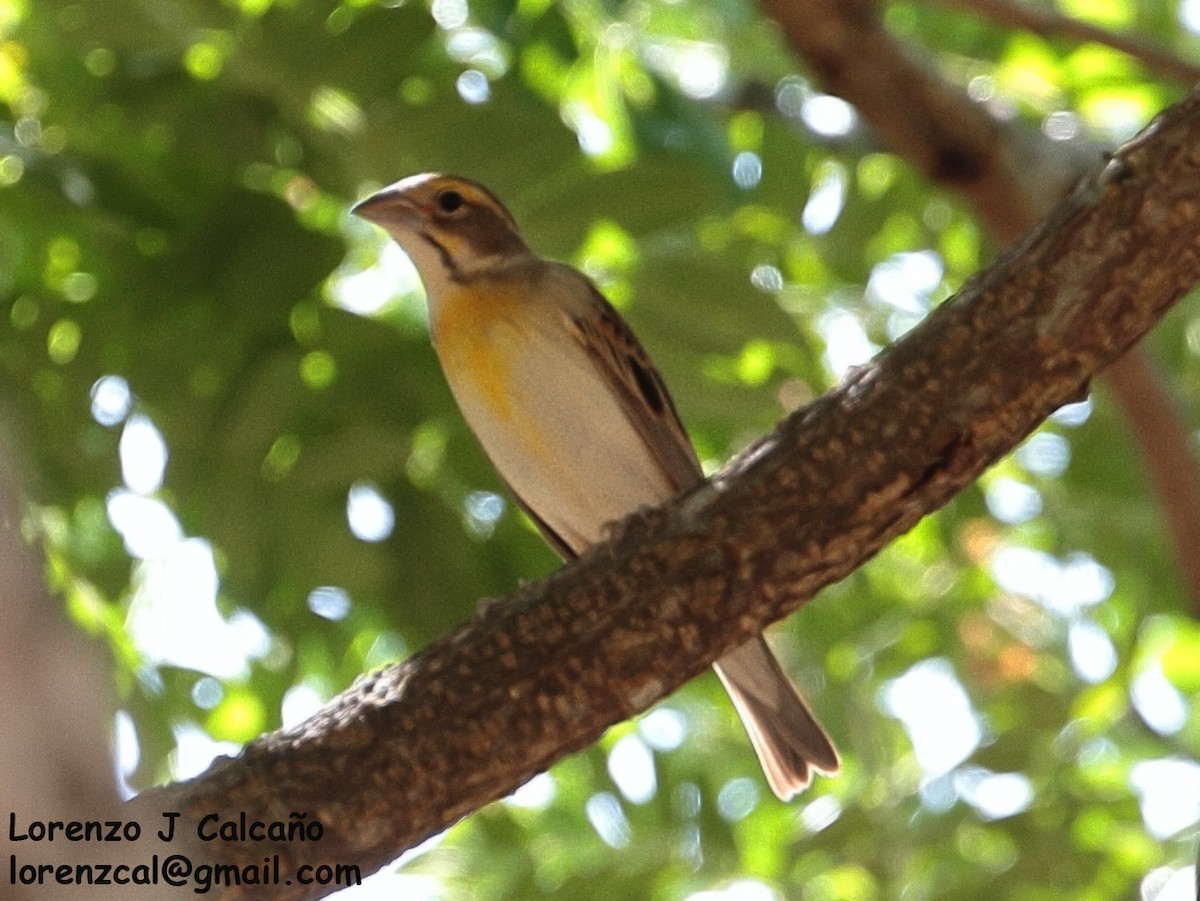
(787, 738)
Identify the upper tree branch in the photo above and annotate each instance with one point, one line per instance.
(919, 116)
(1048, 23)
(954, 142)
(545, 672)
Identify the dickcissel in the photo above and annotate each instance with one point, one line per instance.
(571, 412)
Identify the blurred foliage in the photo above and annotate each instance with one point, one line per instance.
(178, 274)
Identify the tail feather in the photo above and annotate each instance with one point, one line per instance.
(787, 738)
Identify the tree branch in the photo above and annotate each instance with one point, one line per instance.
(919, 116)
(1048, 23)
(1145, 402)
(546, 671)
(54, 711)
(956, 143)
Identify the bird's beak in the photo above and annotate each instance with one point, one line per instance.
(389, 208)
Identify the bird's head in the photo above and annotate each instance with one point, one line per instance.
(451, 227)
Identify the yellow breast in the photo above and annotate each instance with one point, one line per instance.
(479, 337)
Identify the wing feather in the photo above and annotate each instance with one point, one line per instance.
(640, 389)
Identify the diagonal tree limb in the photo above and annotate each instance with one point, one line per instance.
(407, 751)
(1048, 23)
(954, 142)
(919, 116)
(1145, 400)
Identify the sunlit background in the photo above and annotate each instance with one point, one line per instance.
(252, 484)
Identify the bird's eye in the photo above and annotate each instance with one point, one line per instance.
(449, 201)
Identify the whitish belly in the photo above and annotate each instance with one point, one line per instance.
(554, 431)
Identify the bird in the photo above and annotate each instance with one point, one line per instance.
(572, 413)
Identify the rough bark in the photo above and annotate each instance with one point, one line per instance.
(409, 750)
(956, 143)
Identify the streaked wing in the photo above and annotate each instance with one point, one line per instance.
(640, 390)
(787, 738)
